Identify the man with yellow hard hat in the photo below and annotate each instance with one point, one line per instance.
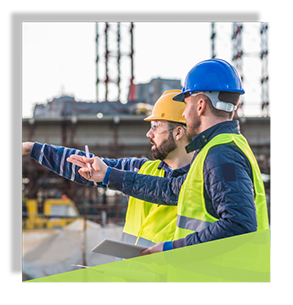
(145, 223)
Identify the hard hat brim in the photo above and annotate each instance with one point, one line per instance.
(152, 118)
(179, 97)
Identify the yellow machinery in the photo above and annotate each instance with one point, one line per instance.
(57, 213)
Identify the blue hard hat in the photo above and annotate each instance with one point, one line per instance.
(211, 75)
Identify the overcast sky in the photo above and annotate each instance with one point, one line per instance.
(59, 57)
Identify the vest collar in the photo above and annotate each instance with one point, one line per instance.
(166, 168)
(201, 139)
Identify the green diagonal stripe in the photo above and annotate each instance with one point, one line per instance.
(243, 258)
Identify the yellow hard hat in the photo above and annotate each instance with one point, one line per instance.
(166, 109)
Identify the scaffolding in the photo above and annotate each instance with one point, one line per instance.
(237, 54)
(265, 75)
(113, 44)
(237, 48)
(240, 57)
(213, 41)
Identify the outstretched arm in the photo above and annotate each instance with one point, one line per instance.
(54, 158)
(153, 189)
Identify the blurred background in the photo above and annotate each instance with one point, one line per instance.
(94, 83)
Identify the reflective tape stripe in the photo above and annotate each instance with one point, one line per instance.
(128, 238)
(145, 242)
(131, 239)
(192, 224)
(40, 160)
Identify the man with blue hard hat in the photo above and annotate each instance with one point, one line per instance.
(212, 76)
(222, 195)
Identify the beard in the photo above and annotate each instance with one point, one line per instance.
(162, 151)
(192, 128)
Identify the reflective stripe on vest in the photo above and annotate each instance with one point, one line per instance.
(147, 223)
(128, 238)
(192, 214)
(191, 223)
(131, 239)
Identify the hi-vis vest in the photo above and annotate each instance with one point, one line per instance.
(192, 214)
(146, 223)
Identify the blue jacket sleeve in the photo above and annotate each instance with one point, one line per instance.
(153, 189)
(127, 164)
(54, 158)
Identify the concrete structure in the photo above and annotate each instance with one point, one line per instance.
(111, 136)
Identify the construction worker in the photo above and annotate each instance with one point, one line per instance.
(223, 194)
(146, 223)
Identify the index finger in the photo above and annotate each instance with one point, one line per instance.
(76, 157)
(75, 161)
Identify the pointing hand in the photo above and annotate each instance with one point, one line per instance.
(98, 170)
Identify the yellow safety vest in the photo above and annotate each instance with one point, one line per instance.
(192, 214)
(148, 223)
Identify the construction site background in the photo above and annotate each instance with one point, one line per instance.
(53, 243)
(116, 134)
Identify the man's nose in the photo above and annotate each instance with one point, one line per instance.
(150, 133)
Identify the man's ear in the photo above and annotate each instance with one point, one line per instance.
(201, 106)
(179, 133)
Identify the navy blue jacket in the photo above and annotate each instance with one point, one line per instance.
(54, 158)
(228, 187)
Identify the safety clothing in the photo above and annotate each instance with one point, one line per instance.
(236, 187)
(147, 223)
(166, 109)
(192, 212)
(211, 75)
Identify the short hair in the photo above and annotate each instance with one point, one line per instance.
(176, 124)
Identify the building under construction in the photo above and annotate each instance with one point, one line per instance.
(112, 130)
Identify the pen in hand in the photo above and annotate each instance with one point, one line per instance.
(87, 153)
